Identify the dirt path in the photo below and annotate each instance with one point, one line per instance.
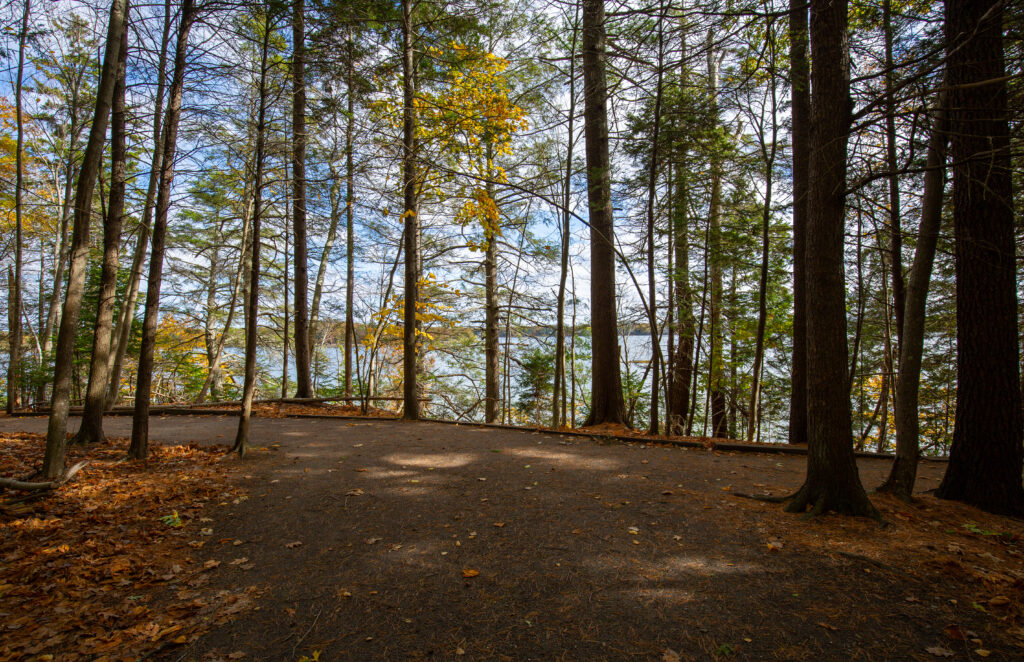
(380, 540)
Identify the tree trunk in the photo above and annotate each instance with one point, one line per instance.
(123, 330)
(91, 429)
(410, 390)
(606, 404)
(558, 413)
(492, 385)
(284, 340)
(762, 292)
(14, 329)
(895, 229)
(252, 302)
(304, 382)
(654, 425)
(214, 375)
(139, 447)
(716, 376)
(801, 138)
(350, 241)
(986, 457)
(56, 443)
(904, 469)
(832, 482)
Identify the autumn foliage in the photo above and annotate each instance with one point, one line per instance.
(101, 568)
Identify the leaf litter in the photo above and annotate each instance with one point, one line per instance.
(102, 569)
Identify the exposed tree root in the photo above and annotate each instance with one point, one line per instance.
(26, 486)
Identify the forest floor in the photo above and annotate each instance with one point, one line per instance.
(385, 540)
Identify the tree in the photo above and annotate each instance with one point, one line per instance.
(53, 462)
(14, 329)
(986, 458)
(800, 111)
(139, 447)
(606, 405)
(304, 382)
(91, 429)
(123, 329)
(410, 217)
(908, 381)
(832, 482)
(252, 302)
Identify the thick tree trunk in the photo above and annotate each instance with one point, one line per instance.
(14, 329)
(904, 469)
(303, 378)
(123, 330)
(832, 482)
(410, 390)
(91, 429)
(986, 457)
(252, 302)
(606, 404)
(56, 443)
(801, 138)
(139, 446)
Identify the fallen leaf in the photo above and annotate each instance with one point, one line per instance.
(669, 656)
(355, 492)
(499, 524)
(954, 632)
(938, 651)
(469, 572)
(828, 626)
(372, 541)
(294, 544)
(999, 601)
(981, 652)
(211, 564)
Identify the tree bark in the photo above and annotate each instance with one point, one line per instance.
(492, 373)
(768, 154)
(123, 330)
(985, 460)
(606, 404)
(410, 390)
(682, 368)
(895, 224)
(654, 424)
(832, 482)
(801, 138)
(56, 443)
(350, 241)
(15, 328)
(908, 381)
(716, 371)
(304, 382)
(139, 446)
(252, 302)
(558, 415)
(91, 429)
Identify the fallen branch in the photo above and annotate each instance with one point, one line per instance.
(26, 486)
